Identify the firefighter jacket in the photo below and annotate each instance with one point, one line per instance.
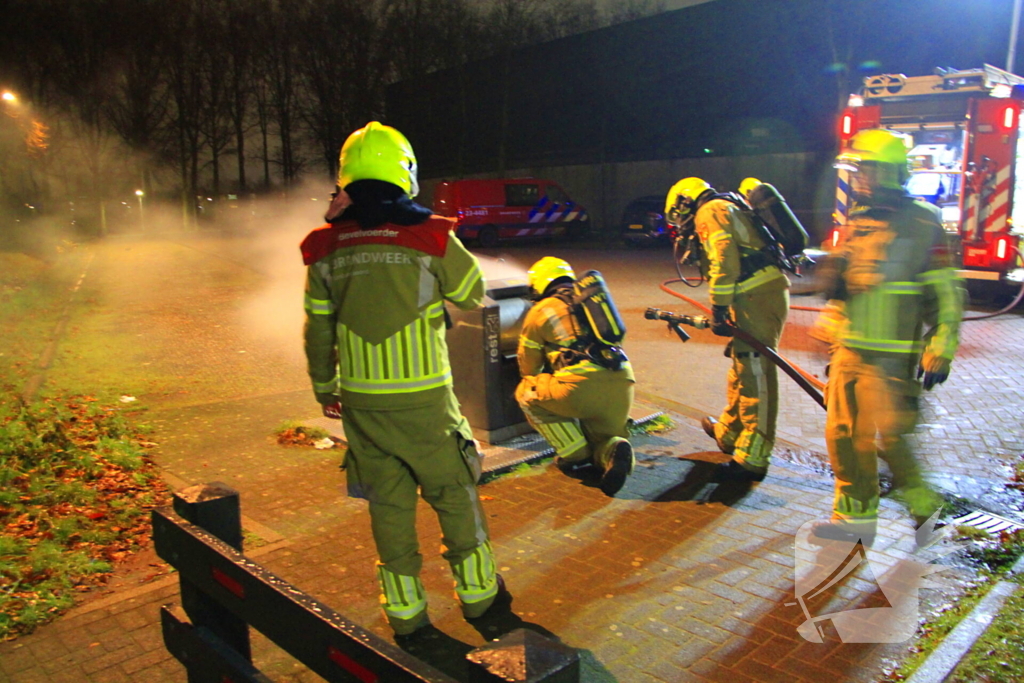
(375, 331)
(547, 340)
(732, 247)
(894, 276)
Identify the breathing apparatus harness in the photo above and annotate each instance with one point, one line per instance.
(751, 260)
(597, 327)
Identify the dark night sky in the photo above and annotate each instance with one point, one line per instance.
(732, 76)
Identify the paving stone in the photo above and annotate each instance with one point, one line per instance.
(16, 657)
(144, 661)
(106, 661)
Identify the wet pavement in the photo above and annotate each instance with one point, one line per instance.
(672, 580)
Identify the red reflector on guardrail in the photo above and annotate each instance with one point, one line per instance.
(350, 665)
(231, 584)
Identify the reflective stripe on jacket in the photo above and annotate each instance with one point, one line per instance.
(725, 234)
(375, 330)
(899, 280)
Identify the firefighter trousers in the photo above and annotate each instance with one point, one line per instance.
(872, 401)
(392, 455)
(580, 415)
(752, 389)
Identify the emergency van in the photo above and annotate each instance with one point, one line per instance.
(963, 133)
(489, 211)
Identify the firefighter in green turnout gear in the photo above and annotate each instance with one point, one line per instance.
(893, 320)
(378, 275)
(747, 290)
(579, 406)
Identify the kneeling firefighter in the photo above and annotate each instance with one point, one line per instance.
(747, 290)
(577, 386)
(378, 275)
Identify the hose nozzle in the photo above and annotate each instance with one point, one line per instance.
(701, 322)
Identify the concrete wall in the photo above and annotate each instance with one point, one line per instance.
(805, 179)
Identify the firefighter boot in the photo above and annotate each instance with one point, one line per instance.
(921, 501)
(734, 472)
(502, 603)
(850, 532)
(709, 424)
(620, 466)
(575, 468)
(403, 600)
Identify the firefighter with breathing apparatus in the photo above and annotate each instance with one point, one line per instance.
(577, 385)
(893, 320)
(378, 275)
(748, 290)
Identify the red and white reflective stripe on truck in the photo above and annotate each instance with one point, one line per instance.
(994, 209)
(998, 203)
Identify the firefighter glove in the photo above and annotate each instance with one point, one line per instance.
(722, 325)
(330, 404)
(934, 370)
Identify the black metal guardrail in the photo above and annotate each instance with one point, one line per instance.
(223, 593)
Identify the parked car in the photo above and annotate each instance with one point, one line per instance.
(643, 222)
(506, 209)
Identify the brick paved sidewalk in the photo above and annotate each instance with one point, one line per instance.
(655, 585)
(662, 583)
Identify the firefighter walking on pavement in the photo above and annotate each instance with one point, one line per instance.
(575, 391)
(893, 320)
(749, 291)
(378, 275)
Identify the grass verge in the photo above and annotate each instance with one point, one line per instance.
(656, 425)
(931, 634)
(996, 656)
(76, 487)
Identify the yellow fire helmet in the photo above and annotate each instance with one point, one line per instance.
(877, 153)
(547, 270)
(378, 152)
(749, 184)
(682, 197)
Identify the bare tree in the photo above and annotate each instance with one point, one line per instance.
(631, 10)
(240, 49)
(561, 18)
(281, 40)
(340, 78)
(215, 114)
(137, 108)
(187, 95)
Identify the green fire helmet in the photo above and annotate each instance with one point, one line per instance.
(878, 154)
(682, 197)
(547, 270)
(378, 152)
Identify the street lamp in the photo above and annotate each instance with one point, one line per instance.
(8, 96)
(142, 224)
(1011, 54)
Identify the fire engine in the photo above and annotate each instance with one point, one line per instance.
(963, 132)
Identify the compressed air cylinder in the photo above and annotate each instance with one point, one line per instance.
(772, 208)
